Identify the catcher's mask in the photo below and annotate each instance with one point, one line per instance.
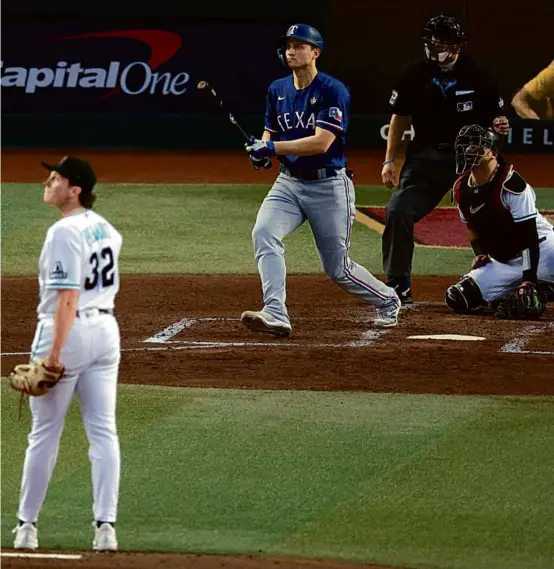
(443, 40)
(300, 32)
(472, 143)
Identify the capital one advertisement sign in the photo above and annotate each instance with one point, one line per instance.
(72, 68)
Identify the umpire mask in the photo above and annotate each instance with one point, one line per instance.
(443, 41)
(441, 54)
(472, 143)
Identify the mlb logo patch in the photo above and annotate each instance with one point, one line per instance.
(393, 97)
(335, 113)
(465, 106)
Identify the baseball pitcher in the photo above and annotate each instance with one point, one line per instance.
(76, 349)
(306, 121)
(512, 241)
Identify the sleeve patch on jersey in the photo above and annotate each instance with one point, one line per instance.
(335, 113)
(500, 103)
(393, 97)
(515, 184)
(58, 273)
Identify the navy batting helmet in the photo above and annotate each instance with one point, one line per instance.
(300, 32)
(471, 145)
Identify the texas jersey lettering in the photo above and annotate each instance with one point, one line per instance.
(292, 114)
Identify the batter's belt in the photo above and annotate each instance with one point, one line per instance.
(310, 175)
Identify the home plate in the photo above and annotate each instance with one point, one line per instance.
(459, 337)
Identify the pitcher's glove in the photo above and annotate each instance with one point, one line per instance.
(35, 378)
(525, 303)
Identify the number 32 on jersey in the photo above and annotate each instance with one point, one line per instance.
(102, 269)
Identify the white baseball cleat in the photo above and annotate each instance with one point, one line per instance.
(26, 536)
(263, 322)
(104, 538)
(387, 316)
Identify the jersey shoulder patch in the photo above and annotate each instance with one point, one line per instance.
(514, 183)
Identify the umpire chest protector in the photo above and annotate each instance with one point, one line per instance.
(486, 214)
(441, 103)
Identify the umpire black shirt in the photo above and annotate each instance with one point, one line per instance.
(442, 102)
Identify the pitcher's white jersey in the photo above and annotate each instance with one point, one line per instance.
(81, 252)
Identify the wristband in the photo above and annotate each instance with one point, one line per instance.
(388, 161)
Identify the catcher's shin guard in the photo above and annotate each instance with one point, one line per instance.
(546, 290)
(464, 297)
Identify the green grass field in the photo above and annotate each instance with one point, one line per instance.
(198, 229)
(419, 481)
(423, 481)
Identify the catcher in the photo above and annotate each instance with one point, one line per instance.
(513, 243)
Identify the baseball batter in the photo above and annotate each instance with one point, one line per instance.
(306, 121)
(512, 241)
(78, 280)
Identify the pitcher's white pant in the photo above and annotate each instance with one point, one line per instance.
(91, 357)
(496, 279)
(329, 207)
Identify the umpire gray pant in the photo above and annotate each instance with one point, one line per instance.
(425, 178)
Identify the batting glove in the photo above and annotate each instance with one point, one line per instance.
(259, 149)
(261, 163)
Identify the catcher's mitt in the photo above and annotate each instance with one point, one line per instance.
(525, 303)
(35, 378)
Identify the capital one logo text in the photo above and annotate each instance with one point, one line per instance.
(134, 78)
(74, 75)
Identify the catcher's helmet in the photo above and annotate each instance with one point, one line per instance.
(301, 32)
(471, 144)
(444, 28)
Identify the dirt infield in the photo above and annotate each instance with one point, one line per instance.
(212, 166)
(334, 344)
(193, 323)
(175, 561)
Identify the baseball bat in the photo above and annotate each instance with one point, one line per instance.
(203, 86)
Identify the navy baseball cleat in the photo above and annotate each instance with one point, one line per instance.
(403, 288)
